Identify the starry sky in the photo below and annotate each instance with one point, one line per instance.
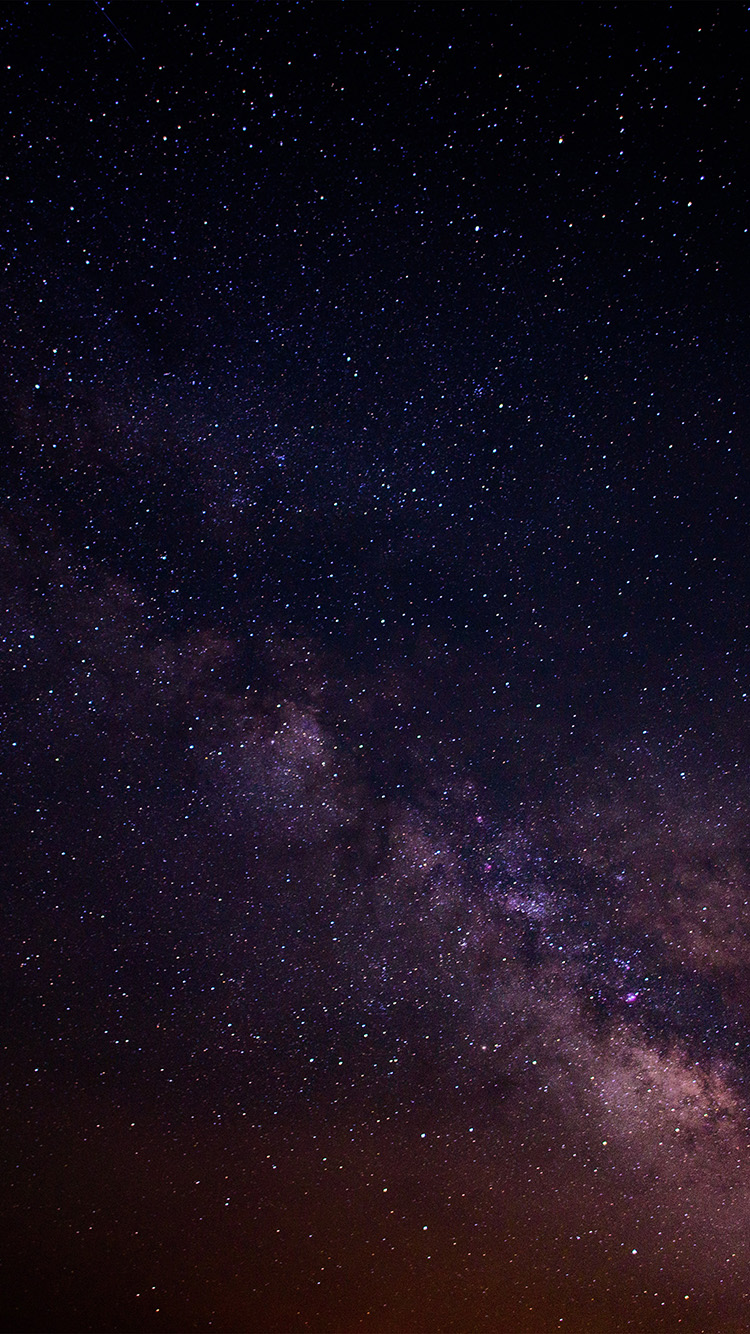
(374, 721)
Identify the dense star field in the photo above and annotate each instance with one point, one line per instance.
(374, 695)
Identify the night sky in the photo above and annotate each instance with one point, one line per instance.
(374, 719)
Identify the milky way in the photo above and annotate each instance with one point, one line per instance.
(374, 669)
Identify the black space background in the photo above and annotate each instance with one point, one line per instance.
(373, 733)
